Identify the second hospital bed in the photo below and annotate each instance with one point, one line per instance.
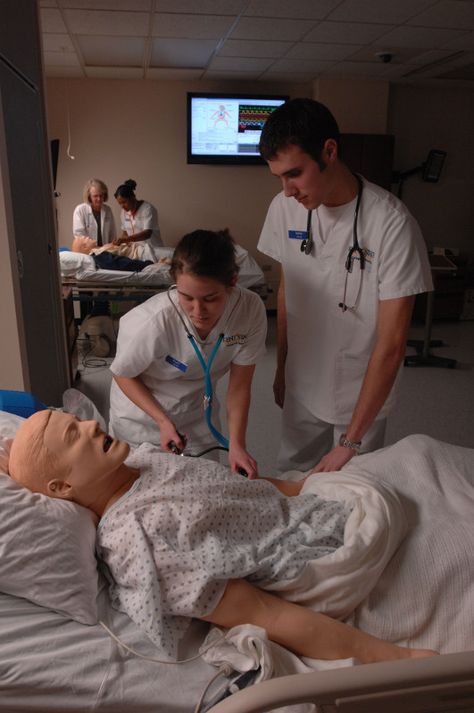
(425, 597)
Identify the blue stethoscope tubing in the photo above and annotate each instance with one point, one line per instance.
(208, 390)
(206, 367)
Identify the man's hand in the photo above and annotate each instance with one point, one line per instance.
(334, 460)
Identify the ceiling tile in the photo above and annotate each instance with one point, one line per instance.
(51, 21)
(350, 32)
(57, 43)
(239, 64)
(181, 53)
(204, 7)
(302, 77)
(384, 11)
(61, 59)
(309, 9)
(463, 42)
(131, 5)
(100, 22)
(204, 27)
(310, 50)
(173, 73)
(253, 48)
(231, 76)
(369, 69)
(299, 66)
(419, 37)
(67, 72)
(261, 29)
(447, 13)
(114, 72)
(112, 51)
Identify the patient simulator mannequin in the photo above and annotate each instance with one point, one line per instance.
(56, 454)
(133, 251)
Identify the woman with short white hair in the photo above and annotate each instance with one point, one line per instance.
(93, 218)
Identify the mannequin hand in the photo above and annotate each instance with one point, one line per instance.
(279, 387)
(239, 458)
(334, 460)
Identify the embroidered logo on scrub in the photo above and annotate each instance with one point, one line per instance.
(174, 362)
(235, 339)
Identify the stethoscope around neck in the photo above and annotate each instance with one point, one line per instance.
(206, 367)
(354, 251)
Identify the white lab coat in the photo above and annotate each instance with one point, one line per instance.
(84, 223)
(328, 349)
(152, 343)
(145, 218)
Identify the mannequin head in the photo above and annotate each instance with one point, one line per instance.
(56, 454)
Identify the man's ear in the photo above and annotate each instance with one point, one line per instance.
(330, 150)
(56, 488)
(234, 279)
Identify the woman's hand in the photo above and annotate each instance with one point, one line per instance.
(169, 435)
(240, 459)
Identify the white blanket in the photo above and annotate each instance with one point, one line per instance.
(425, 595)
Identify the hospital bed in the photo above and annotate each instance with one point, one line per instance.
(50, 661)
(79, 272)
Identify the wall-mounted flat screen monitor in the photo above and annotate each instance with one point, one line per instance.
(226, 128)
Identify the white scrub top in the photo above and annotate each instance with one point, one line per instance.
(152, 343)
(145, 218)
(84, 223)
(328, 349)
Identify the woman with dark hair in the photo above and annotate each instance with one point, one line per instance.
(166, 344)
(139, 219)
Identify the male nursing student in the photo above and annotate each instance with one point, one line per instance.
(352, 260)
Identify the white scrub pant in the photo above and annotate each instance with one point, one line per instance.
(305, 439)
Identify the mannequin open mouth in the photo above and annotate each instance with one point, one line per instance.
(108, 440)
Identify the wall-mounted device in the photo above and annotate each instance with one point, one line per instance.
(430, 170)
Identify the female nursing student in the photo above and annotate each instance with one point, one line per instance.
(139, 219)
(93, 218)
(158, 380)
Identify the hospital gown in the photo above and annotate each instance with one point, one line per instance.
(188, 525)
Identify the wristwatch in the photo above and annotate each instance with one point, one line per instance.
(354, 445)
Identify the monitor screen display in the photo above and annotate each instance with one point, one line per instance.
(226, 128)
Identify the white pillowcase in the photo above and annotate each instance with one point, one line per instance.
(47, 546)
(71, 262)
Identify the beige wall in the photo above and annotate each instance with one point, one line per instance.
(137, 129)
(360, 107)
(424, 118)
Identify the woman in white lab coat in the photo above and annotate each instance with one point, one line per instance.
(138, 218)
(158, 383)
(93, 218)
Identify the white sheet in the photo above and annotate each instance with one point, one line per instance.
(49, 663)
(82, 268)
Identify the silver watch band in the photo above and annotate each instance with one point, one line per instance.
(354, 445)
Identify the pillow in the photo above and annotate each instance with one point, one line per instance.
(47, 546)
(71, 262)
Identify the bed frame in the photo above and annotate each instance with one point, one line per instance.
(440, 683)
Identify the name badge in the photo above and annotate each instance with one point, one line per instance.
(174, 362)
(298, 234)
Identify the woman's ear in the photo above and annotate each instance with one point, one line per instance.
(233, 282)
(56, 488)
